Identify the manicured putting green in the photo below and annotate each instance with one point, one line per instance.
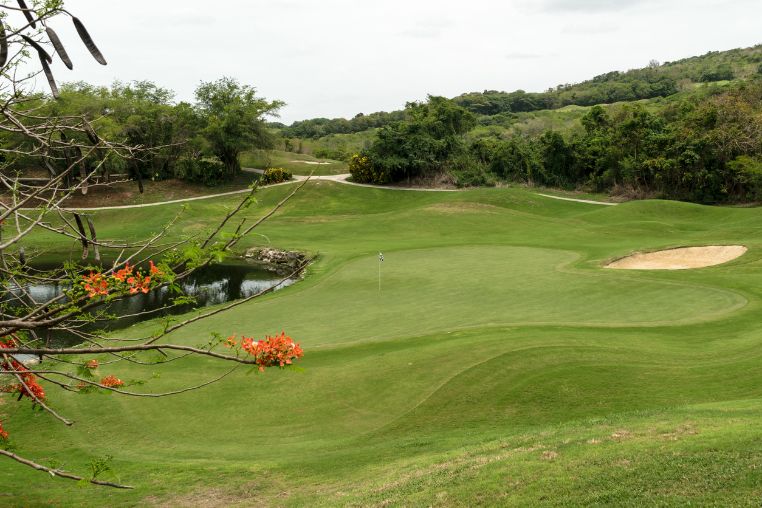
(428, 290)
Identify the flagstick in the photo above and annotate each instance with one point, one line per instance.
(379, 275)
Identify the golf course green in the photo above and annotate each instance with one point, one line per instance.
(499, 363)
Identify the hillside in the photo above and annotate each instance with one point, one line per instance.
(654, 80)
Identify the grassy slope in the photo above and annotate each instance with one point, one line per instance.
(498, 364)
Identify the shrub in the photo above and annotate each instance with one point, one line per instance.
(363, 170)
(337, 154)
(205, 171)
(274, 175)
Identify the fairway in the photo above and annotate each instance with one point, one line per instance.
(499, 362)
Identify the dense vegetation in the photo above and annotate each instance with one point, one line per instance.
(706, 147)
(702, 145)
(199, 142)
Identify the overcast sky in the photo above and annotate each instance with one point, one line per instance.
(336, 58)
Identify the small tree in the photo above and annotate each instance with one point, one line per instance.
(234, 119)
(73, 152)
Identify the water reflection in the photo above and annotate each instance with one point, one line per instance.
(210, 286)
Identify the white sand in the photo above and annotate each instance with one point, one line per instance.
(680, 259)
(316, 163)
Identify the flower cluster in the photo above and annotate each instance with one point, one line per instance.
(111, 381)
(3, 433)
(95, 284)
(279, 351)
(127, 279)
(28, 385)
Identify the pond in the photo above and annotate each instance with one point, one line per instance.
(211, 285)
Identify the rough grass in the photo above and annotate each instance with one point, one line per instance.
(499, 365)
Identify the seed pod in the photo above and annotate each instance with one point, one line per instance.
(96, 252)
(3, 46)
(50, 168)
(53, 36)
(27, 13)
(82, 169)
(22, 256)
(43, 54)
(82, 31)
(82, 235)
(49, 75)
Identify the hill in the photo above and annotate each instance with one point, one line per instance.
(654, 80)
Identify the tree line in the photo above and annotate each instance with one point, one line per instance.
(198, 141)
(705, 147)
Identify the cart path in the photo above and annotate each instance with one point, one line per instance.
(342, 178)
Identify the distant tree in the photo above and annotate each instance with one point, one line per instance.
(234, 119)
(722, 72)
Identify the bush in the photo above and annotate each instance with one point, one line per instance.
(205, 171)
(274, 175)
(469, 171)
(723, 72)
(362, 169)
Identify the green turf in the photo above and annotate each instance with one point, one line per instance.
(499, 364)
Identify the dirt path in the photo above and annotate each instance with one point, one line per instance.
(300, 178)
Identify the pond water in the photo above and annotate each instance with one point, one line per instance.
(209, 286)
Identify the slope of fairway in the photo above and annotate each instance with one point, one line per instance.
(499, 364)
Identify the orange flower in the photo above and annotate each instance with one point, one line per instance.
(111, 381)
(92, 364)
(280, 350)
(125, 272)
(95, 284)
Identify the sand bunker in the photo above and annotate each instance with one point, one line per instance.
(680, 259)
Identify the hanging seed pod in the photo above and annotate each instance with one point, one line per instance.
(3, 46)
(82, 169)
(67, 159)
(27, 13)
(43, 54)
(96, 252)
(53, 36)
(22, 256)
(82, 31)
(50, 168)
(49, 75)
(82, 235)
